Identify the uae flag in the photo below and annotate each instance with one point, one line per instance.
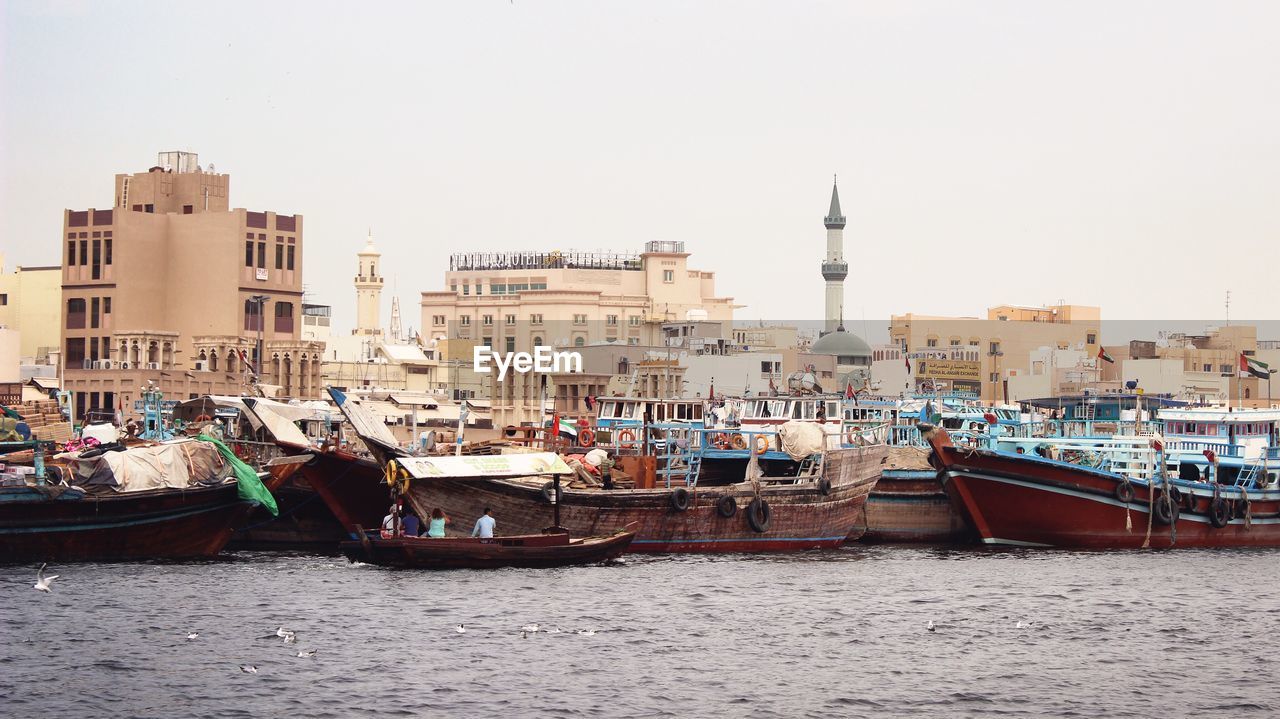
(907, 360)
(1102, 355)
(1250, 366)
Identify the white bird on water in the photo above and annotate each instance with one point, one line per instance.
(192, 635)
(43, 582)
(307, 653)
(531, 628)
(586, 632)
(930, 626)
(524, 634)
(282, 632)
(461, 629)
(290, 639)
(1020, 625)
(248, 669)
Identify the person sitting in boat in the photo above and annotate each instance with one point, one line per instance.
(484, 525)
(438, 521)
(389, 523)
(409, 524)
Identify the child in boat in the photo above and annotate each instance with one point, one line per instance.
(437, 524)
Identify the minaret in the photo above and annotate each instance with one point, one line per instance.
(834, 268)
(368, 291)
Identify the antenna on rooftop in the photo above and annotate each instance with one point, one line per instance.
(1228, 308)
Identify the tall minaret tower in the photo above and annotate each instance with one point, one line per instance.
(834, 268)
(368, 291)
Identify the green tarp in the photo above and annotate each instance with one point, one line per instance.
(250, 487)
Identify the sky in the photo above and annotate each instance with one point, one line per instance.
(1120, 154)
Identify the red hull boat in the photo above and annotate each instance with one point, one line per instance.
(1027, 500)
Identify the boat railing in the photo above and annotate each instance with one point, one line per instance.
(1222, 449)
(255, 454)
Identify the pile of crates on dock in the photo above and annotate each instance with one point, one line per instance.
(45, 419)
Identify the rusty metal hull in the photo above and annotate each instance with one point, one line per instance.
(801, 517)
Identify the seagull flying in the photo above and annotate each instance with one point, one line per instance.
(42, 582)
(248, 669)
(930, 626)
(306, 653)
(461, 629)
(192, 635)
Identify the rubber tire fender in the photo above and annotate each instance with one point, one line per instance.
(1166, 509)
(1219, 512)
(824, 486)
(1125, 492)
(759, 514)
(549, 491)
(726, 506)
(679, 499)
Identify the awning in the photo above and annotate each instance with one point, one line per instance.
(496, 466)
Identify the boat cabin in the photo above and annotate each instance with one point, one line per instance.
(630, 411)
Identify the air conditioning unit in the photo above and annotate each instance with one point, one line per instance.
(153, 365)
(87, 364)
(107, 364)
(202, 366)
(124, 365)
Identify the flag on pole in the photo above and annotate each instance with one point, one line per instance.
(1102, 355)
(773, 389)
(1253, 367)
(848, 392)
(907, 359)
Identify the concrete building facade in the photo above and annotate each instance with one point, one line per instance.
(172, 285)
(30, 298)
(1005, 339)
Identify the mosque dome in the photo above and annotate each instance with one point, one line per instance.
(849, 349)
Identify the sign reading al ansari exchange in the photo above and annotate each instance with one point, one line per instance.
(949, 369)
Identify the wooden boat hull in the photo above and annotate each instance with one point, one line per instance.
(801, 515)
(304, 523)
(531, 551)
(1023, 500)
(158, 524)
(350, 487)
(911, 506)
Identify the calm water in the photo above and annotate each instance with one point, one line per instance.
(822, 634)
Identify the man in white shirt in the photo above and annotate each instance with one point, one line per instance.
(484, 526)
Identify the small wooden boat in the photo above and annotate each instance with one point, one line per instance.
(909, 505)
(552, 549)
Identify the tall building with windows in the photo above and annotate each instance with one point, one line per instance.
(173, 286)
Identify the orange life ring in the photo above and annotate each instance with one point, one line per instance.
(586, 438)
(203, 418)
(626, 436)
(738, 442)
(762, 444)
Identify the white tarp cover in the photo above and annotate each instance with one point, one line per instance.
(364, 423)
(178, 464)
(279, 427)
(801, 439)
(484, 466)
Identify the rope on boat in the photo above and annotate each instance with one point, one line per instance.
(1248, 508)
(1151, 511)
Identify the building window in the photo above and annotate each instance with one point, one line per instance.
(668, 276)
(509, 319)
(96, 305)
(289, 258)
(479, 288)
(486, 320)
(262, 255)
(106, 251)
(538, 286)
(279, 256)
(634, 320)
(497, 289)
(579, 341)
(931, 342)
(106, 305)
(465, 320)
(535, 319)
(537, 341)
(252, 316)
(75, 313)
(466, 288)
(487, 341)
(75, 351)
(97, 260)
(1091, 339)
(187, 209)
(955, 341)
(611, 320)
(511, 344)
(4, 299)
(248, 253)
(579, 319)
(71, 253)
(995, 348)
(437, 320)
(284, 317)
(84, 251)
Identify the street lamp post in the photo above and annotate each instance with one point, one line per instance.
(1269, 373)
(261, 301)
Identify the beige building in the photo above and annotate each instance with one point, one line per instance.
(1005, 339)
(1200, 368)
(172, 285)
(515, 300)
(30, 298)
